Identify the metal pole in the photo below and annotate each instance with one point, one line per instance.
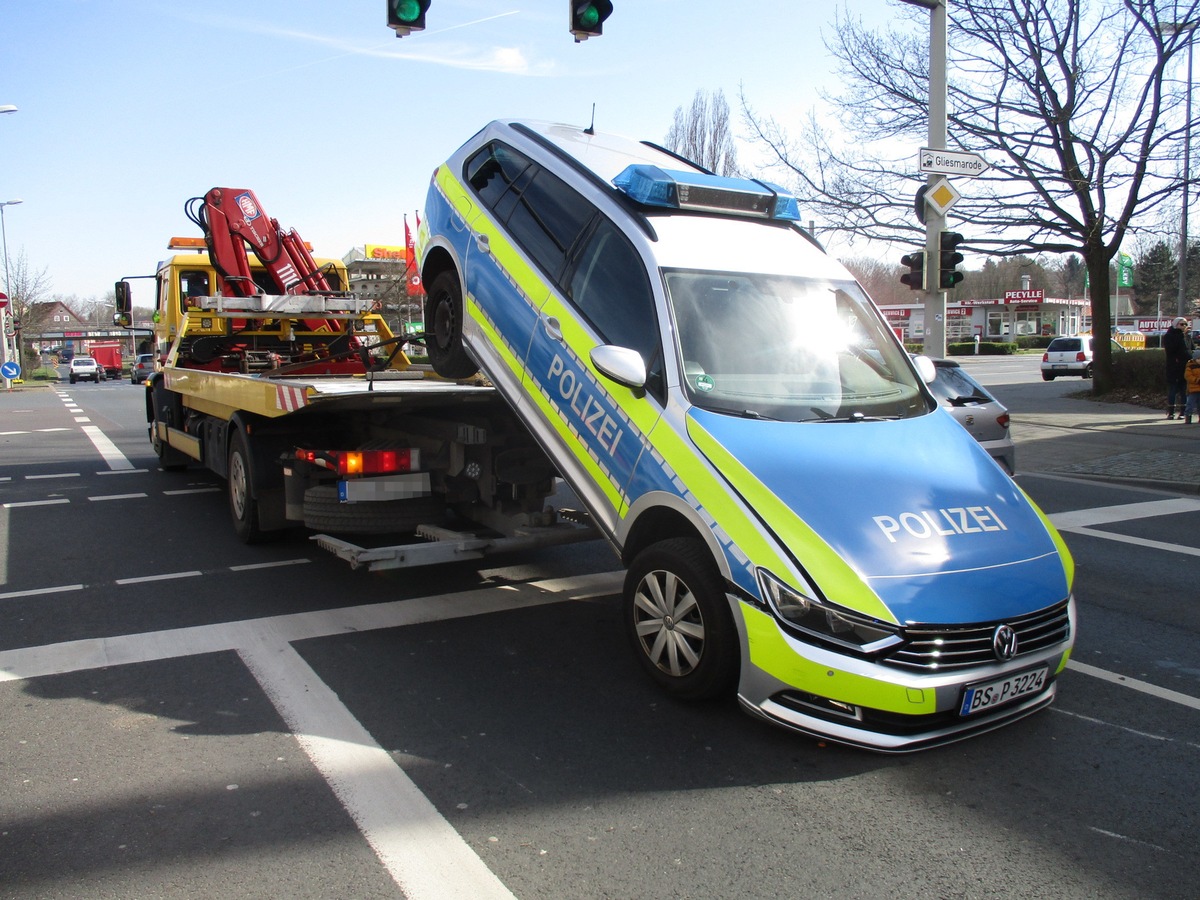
(1182, 303)
(5, 311)
(935, 222)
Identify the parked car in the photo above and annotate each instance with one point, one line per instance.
(1072, 355)
(142, 368)
(984, 417)
(84, 368)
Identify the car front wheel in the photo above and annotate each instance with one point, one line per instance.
(678, 620)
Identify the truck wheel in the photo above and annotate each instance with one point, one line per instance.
(242, 505)
(323, 511)
(443, 328)
(678, 620)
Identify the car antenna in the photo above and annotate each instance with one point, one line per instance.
(591, 129)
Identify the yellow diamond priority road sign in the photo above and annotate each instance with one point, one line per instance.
(941, 195)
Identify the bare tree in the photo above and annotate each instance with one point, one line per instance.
(27, 289)
(1074, 103)
(703, 134)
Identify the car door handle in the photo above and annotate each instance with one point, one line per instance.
(482, 242)
(552, 328)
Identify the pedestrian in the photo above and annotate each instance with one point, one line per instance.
(1191, 376)
(1175, 343)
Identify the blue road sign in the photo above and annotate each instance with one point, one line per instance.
(10, 370)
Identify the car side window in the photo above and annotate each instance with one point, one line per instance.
(610, 287)
(548, 219)
(493, 170)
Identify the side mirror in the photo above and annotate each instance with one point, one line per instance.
(925, 368)
(621, 364)
(124, 298)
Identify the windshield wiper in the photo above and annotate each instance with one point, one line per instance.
(824, 416)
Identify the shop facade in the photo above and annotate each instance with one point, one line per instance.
(1016, 314)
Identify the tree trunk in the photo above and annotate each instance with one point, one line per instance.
(1097, 260)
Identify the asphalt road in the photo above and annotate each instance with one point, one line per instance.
(186, 716)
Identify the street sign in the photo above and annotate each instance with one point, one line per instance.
(950, 162)
(941, 196)
(10, 370)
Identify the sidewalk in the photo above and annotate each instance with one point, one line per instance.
(1117, 441)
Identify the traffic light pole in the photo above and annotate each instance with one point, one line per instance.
(935, 222)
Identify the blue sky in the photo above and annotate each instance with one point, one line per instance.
(127, 108)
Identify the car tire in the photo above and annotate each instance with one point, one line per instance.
(1046, 376)
(444, 312)
(72, 377)
(1087, 373)
(678, 620)
(324, 512)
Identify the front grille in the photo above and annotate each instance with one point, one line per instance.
(947, 648)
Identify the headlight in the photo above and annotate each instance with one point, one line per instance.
(803, 609)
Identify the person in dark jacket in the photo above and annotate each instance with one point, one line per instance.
(1175, 343)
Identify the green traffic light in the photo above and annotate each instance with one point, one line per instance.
(588, 16)
(407, 10)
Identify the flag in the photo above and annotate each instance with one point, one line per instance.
(412, 277)
(410, 254)
(1124, 270)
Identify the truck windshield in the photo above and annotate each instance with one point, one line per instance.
(789, 348)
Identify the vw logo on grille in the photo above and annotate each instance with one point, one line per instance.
(1004, 642)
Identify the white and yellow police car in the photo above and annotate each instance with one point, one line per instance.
(800, 522)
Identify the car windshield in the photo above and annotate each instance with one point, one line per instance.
(791, 348)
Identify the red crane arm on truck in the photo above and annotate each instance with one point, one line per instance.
(233, 219)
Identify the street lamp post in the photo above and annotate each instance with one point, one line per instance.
(1169, 29)
(6, 312)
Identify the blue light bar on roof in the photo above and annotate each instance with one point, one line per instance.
(676, 189)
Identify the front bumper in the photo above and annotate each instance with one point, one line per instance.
(870, 705)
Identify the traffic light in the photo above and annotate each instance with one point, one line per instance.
(948, 258)
(587, 18)
(407, 16)
(915, 276)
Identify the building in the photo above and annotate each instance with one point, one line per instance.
(1016, 314)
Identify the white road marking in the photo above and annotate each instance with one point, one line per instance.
(107, 449)
(117, 497)
(36, 592)
(1144, 686)
(169, 576)
(17, 504)
(1081, 521)
(269, 565)
(1127, 512)
(421, 851)
(52, 475)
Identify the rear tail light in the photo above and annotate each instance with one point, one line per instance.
(1046, 357)
(363, 462)
(1002, 420)
(1080, 356)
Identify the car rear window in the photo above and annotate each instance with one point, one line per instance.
(1064, 344)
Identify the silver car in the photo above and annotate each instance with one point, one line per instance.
(976, 410)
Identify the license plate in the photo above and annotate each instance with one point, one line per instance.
(1057, 366)
(990, 694)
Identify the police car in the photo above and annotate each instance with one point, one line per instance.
(801, 523)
